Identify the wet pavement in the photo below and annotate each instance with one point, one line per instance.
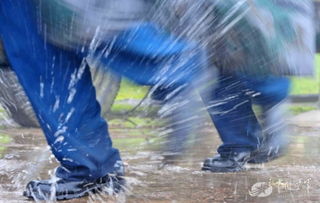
(293, 178)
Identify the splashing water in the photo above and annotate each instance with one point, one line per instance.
(150, 176)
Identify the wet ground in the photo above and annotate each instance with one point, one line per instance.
(292, 178)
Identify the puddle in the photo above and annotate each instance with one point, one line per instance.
(295, 177)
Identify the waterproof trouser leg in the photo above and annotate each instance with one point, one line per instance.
(274, 113)
(59, 86)
(230, 107)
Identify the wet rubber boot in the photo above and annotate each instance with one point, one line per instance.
(223, 163)
(64, 190)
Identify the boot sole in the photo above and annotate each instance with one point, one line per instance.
(234, 168)
(90, 190)
(61, 197)
(222, 170)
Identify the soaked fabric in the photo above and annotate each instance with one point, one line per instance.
(149, 56)
(117, 34)
(59, 86)
(231, 109)
(265, 36)
(73, 23)
(3, 60)
(258, 37)
(60, 89)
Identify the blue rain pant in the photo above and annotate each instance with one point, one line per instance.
(58, 84)
(230, 107)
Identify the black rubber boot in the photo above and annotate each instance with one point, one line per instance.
(235, 162)
(64, 190)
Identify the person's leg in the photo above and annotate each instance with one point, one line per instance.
(150, 56)
(59, 86)
(268, 92)
(67, 110)
(168, 64)
(230, 108)
(183, 110)
(271, 95)
(180, 108)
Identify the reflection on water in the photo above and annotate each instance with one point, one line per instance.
(294, 177)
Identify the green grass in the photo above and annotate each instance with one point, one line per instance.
(4, 139)
(133, 122)
(295, 110)
(121, 108)
(129, 90)
(304, 85)
(307, 85)
(126, 143)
